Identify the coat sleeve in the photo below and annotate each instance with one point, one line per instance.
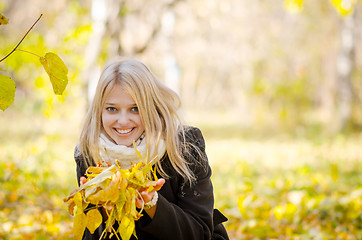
(81, 164)
(191, 216)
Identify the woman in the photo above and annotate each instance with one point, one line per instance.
(132, 104)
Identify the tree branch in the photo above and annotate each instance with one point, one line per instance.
(22, 38)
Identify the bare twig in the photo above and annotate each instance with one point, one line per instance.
(22, 38)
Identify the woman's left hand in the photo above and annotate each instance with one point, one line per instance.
(148, 196)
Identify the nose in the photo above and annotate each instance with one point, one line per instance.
(122, 118)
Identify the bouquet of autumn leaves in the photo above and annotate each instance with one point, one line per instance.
(115, 189)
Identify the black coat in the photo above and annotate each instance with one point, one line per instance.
(183, 212)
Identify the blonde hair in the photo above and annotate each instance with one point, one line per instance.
(158, 108)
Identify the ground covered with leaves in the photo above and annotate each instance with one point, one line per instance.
(269, 188)
(290, 189)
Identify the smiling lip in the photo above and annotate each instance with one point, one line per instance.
(123, 131)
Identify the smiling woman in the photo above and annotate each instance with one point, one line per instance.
(120, 117)
(131, 105)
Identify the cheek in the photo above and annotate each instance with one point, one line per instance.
(139, 121)
(105, 119)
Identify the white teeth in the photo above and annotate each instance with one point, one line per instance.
(123, 131)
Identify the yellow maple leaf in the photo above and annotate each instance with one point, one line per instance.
(56, 70)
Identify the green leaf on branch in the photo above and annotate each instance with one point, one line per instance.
(7, 92)
(57, 71)
(3, 20)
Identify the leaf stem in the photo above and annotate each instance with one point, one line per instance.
(28, 52)
(143, 201)
(22, 38)
(115, 233)
(104, 231)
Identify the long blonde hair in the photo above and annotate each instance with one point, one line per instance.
(158, 108)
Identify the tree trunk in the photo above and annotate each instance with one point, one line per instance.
(103, 13)
(345, 67)
(172, 72)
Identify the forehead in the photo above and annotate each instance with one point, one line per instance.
(118, 94)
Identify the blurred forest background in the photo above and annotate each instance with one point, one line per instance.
(275, 87)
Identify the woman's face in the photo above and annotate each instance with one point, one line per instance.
(120, 117)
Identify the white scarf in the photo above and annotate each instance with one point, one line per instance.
(126, 156)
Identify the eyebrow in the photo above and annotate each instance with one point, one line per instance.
(115, 104)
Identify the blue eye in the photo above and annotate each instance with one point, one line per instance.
(111, 109)
(134, 109)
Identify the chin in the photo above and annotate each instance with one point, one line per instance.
(125, 143)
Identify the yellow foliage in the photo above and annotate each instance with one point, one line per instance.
(3, 20)
(7, 92)
(80, 223)
(286, 211)
(126, 227)
(116, 190)
(344, 7)
(57, 71)
(94, 219)
(293, 5)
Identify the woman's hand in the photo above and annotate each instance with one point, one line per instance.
(147, 197)
(82, 180)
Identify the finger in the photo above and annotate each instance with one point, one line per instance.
(159, 184)
(139, 202)
(147, 196)
(108, 207)
(82, 180)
